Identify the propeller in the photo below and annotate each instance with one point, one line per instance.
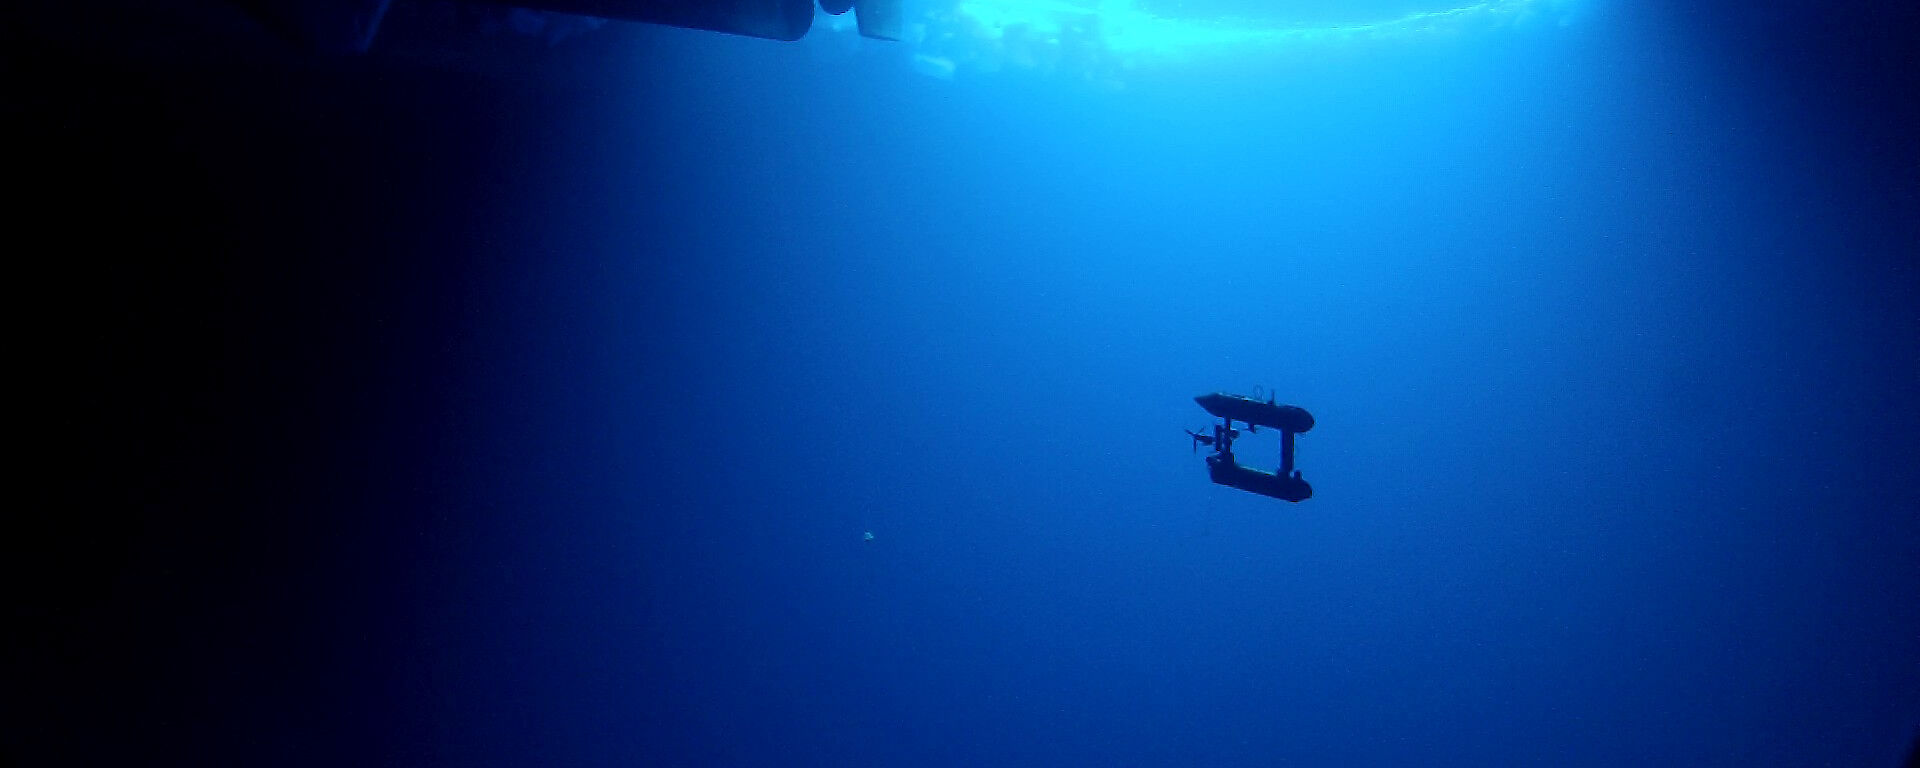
(1198, 439)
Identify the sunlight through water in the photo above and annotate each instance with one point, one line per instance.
(1103, 39)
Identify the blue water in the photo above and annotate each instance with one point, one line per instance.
(584, 388)
(1613, 463)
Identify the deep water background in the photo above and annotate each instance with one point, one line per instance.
(527, 407)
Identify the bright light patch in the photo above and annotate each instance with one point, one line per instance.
(1101, 39)
(1120, 28)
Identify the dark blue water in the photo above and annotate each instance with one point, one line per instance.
(532, 408)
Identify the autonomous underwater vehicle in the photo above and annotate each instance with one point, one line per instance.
(1224, 469)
